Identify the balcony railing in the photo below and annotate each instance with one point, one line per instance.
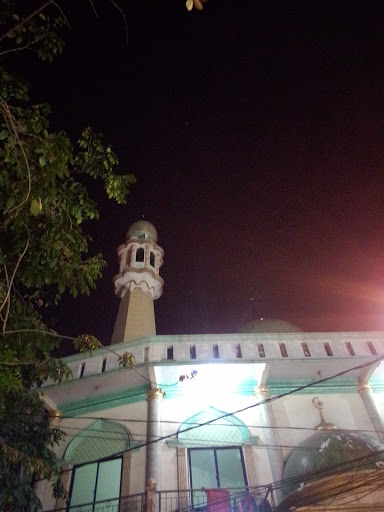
(132, 503)
(244, 499)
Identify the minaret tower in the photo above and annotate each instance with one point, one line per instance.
(138, 283)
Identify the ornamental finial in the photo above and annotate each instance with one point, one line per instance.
(323, 425)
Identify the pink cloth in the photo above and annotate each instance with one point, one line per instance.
(218, 500)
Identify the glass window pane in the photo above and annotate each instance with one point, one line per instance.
(83, 487)
(203, 469)
(203, 474)
(108, 484)
(230, 468)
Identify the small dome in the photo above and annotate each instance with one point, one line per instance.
(269, 325)
(329, 452)
(142, 229)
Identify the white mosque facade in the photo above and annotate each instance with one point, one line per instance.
(268, 419)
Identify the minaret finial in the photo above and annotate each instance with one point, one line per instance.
(323, 425)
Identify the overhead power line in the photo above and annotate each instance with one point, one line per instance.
(267, 400)
(262, 402)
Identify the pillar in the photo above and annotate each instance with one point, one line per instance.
(366, 393)
(271, 436)
(182, 477)
(153, 462)
(43, 488)
(126, 473)
(250, 465)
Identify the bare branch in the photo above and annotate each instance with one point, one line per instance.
(93, 8)
(62, 13)
(8, 300)
(13, 276)
(20, 48)
(124, 17)
(40, 331)
(12, 121)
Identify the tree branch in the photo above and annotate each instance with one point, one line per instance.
(8, 300)
(12, 121)
(13, 277)
(123, 15)
(20, 48)
(25, 20)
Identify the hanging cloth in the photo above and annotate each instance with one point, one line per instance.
(218, 500)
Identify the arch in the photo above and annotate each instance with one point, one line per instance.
(225, 432)
(99, 440)
(140, 254)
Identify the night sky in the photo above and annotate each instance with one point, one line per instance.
(256, 134)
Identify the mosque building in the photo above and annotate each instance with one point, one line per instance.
(269, 418)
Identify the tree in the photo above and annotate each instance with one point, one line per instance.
(44, 251)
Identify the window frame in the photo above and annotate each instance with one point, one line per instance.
(98, 462)
(217, 475)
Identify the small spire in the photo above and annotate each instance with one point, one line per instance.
(323, 425)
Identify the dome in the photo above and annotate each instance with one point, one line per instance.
(269, 325)
(142, 229)
(328, 452)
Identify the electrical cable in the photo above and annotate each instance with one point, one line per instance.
(267, 400)
(354, 474)
(262, 402)
(328, 471)
(131, 420)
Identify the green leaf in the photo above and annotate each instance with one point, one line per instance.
(42, 161)
(4, 134)
(10, 203)
(35, 207)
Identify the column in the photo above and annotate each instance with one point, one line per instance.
(133, 255)
(66, 477)
(250, 465)
(153, 464)
(147, 251)
(126, 473)
(271, 436)
(43, 488)
(182, 477)
(366, 393)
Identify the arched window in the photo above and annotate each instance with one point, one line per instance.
(140, 254)
(226, 431)
(97, 456)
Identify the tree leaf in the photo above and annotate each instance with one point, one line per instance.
(35, 207)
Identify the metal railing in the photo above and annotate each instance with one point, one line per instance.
(132, 503)
(242, 499)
